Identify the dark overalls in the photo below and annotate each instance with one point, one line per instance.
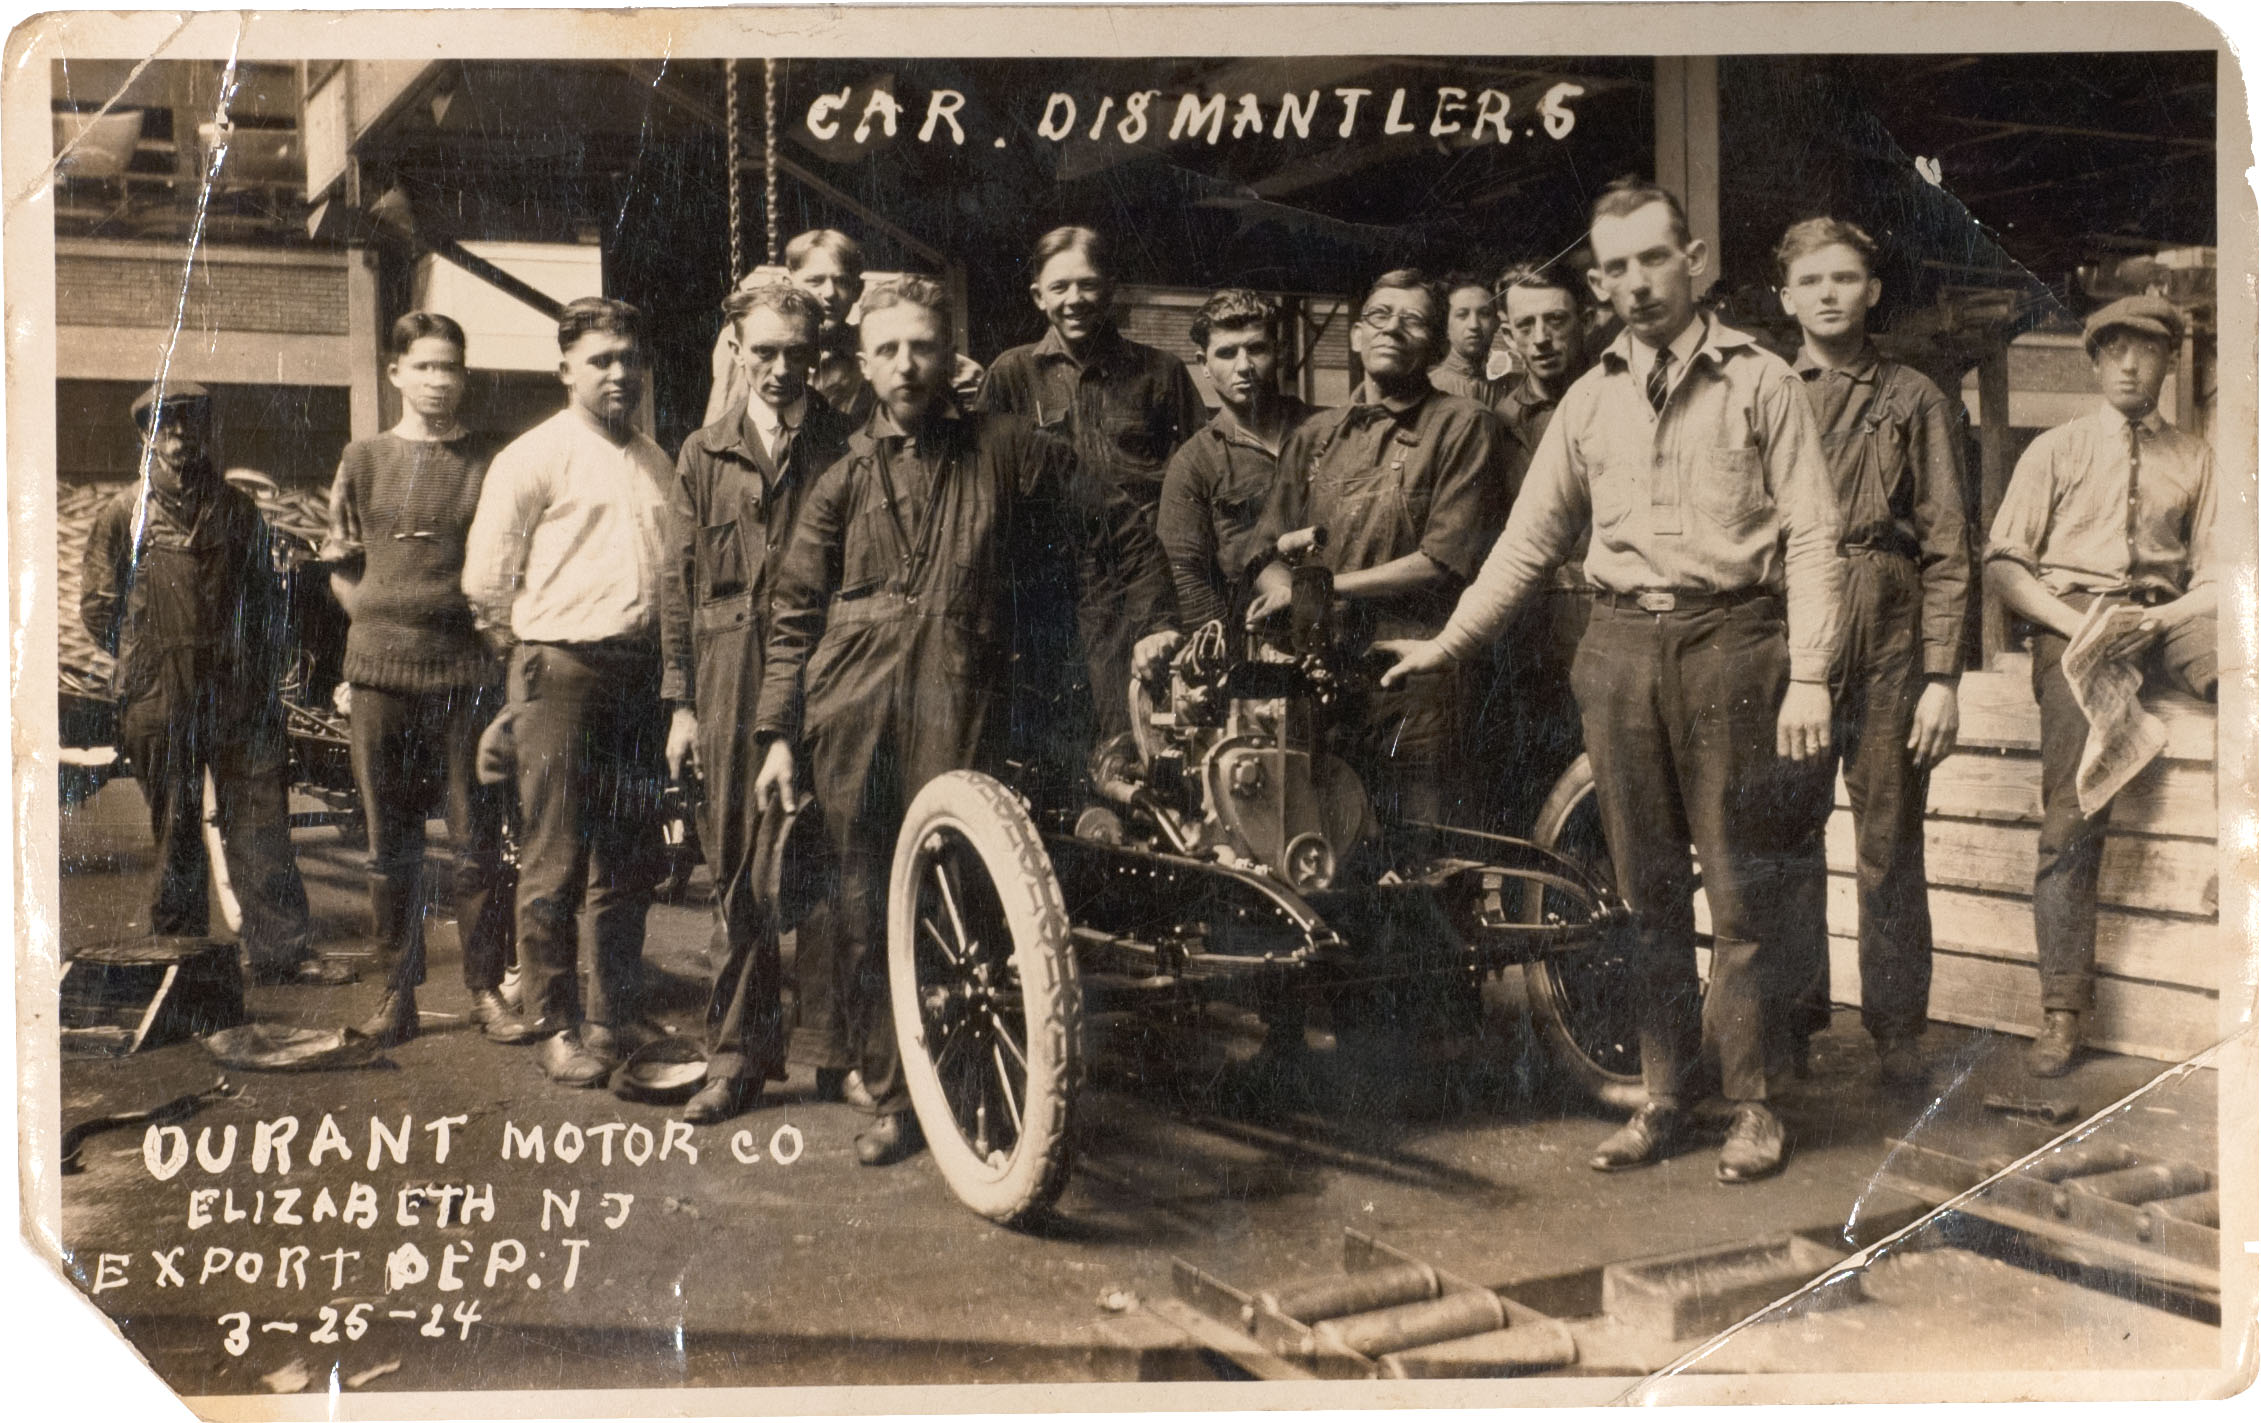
(193, 607)
(734, 508)
(1895, 464)
(1124, 410)
(910, 576)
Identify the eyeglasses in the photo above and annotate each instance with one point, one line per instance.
(1386, 318)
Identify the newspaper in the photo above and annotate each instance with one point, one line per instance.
(2104, 665)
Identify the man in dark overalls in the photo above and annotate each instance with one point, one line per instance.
(739, 485)
(1895, 463)
(916, 564)
(1124, 406)
(183, 589)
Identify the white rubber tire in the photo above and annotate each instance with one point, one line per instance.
(1008, 1187)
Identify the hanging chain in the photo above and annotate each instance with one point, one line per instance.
(736, 179)
(769, 156)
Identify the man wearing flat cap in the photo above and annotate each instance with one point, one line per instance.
(183, 589)
(2116, 506)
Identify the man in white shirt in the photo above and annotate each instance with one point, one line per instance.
(563, 569)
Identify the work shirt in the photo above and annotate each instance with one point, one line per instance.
(1526, 410)
(1390, 479)
(731, 508)
(1725, 492)
(1124, 408)
(570, 541)
(1895, 462)
(915, 566)
(2082, 516)
(1214, 494)
(1455, 375)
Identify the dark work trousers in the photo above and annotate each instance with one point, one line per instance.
(170, 748)
(745, 1008)
(855, 919)
(1679, 710)
(1873, 696)
(2071, 852)
(413, 751)
(591, 767)
(1522, 723)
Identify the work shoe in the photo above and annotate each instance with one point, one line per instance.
(1899, 1062)
(512, 990)
(843, 1084)
(499, 1021)
(315, 971)
(2053, 1051)
(567, 1061)
(721, 1099)
(623, 1040)
(889, 1140)
(1754, 1144)
(395, 1020)
(1640, 1141)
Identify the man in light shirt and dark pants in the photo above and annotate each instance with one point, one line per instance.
(563, 569)
(1690, 452)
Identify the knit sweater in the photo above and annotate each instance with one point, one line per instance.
(401, 508)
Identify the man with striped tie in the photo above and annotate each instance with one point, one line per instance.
(1691, 455)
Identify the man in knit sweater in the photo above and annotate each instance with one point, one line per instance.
(563, 568)
(424, 684)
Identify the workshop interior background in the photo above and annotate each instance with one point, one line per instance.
(257, 227)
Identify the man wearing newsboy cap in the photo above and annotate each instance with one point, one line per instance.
(2116, 506)
(183, 588)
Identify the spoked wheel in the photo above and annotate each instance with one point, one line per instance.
(1587, 1004)
(988, 1005)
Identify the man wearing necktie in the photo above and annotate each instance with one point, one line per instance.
(2117, 505)
(739, 484)
(1690, 454)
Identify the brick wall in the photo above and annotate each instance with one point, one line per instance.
(297, 298)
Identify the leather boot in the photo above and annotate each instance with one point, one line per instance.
(2053, 1051)
(395, 1020)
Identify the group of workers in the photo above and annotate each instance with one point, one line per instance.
(1747, 572)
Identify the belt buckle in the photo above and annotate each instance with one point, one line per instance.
(1658, 602)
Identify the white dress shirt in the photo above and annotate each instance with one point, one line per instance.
(570, 537)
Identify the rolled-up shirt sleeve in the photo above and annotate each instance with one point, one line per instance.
(494, 551)
(1469, 502)
(1813, 568)
(2022, 522)
(2202, 526)
(1552, 509)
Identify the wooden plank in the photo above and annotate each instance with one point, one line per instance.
(1997, 710)
(2140, 1019)
(2140, 872)
(2168, 798)
(2183, 952)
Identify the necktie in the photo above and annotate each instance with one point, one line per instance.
(1660, 381)
(2135, 468)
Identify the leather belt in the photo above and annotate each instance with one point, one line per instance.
(1668, 600)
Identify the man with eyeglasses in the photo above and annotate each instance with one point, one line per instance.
(738, 487)
(1411, 485)
(1690, 452)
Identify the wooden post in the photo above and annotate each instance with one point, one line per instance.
(365, 343)
(1687, 145)
(1993, 479)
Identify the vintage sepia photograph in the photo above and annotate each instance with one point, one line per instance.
(1029, 708)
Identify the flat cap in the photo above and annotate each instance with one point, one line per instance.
(180, 392)
(2152, 315)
